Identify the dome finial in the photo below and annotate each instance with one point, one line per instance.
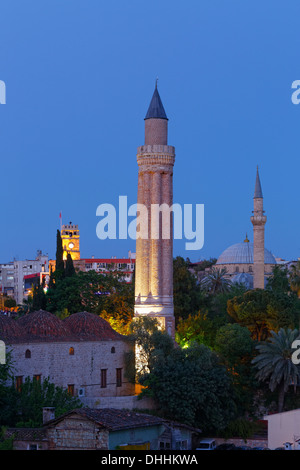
(246, 239)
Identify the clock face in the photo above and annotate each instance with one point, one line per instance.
(71, 245)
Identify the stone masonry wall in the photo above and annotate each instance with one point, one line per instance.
(75, 433)
(82, 369)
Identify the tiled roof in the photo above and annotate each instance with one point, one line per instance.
(113, 419)
(90, 326)
(109, 260)
(9, 328)
(42, 326)
(26, 434)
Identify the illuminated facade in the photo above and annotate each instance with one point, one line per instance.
(154, 244)
(70, 241)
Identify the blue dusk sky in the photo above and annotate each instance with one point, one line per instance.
(79, 78)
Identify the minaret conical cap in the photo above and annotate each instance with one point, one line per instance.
(156, 109)
(257, 191)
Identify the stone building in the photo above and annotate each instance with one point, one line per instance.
(105, 429)
(154, 244)
(81, 353)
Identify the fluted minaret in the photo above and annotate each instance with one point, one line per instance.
(258, 220)
(154, 254)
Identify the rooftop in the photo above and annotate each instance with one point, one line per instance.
(42, 326)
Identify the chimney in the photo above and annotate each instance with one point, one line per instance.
(48, 413)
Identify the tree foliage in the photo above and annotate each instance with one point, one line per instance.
(24, 408)
(264, 310)
(274, 362)
(191, 386)
(188, 298)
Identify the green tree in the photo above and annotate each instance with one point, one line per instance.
(274, 362)
(264, 310)
(199, 328)
(278, 281)
(39, 299)
(69, 270)
(191, 386)
(60, 265)
(235, 347)
(26, 405)
(188, 298)
(234, 344)
(216, 281)
(295, 278)
(106, 295)
(150, 341)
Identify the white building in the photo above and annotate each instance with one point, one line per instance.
(7, 279)
(25, 268)
(284, 430)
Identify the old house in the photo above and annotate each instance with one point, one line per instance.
(105, 429)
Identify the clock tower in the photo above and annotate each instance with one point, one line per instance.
(70, 241)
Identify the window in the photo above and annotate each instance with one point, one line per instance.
(163, 445)
(71, 389)
(71, 351)
(119, 377)
(103, 378)
(237, 269)
(250, 269)
(37, 377)
(27, 354)
(19, 381)
(113, 350)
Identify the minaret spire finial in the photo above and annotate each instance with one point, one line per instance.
(156, 83)
(257, 190)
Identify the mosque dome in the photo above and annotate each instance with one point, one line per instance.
(242, 253)
(243, 278)
(9, 328)
(89, 326)
(42, 325)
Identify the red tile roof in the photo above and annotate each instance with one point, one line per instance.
(46, 327)
(113, 419)
(89, 325)
(109, 260)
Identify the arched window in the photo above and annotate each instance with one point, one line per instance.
(237, 269)
(71, 351)
(250, 269)
(113, 350)
(27, 354)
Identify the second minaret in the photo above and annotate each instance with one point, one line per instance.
(258, 220)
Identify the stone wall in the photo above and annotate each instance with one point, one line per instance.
(75, 433)
(81, 369)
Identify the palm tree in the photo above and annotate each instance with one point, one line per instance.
(274, 362)
(216, 281)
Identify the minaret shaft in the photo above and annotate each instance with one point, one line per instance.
(154, 255)
(258, 220)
